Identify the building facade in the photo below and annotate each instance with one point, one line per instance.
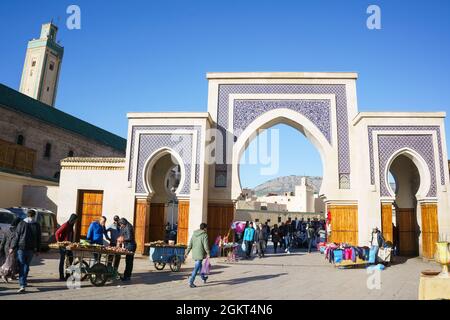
(358, 151)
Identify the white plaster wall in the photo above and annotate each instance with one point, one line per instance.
(11, 188)
(117, 199)
(41, 197)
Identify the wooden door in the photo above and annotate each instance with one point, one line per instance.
(430, 229)
(344, 223)
(220, 217)
(90, 205)
(386, 221)
(156, 224)
(408, 239)
(183, 222)
(141, 223)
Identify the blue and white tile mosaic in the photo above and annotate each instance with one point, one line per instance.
(422, 144)
(317, 111)
(417, 129)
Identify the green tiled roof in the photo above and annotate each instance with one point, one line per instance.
(17, 101)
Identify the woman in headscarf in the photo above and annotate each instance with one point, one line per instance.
(127, 238)
(65, 233)
(5, 245)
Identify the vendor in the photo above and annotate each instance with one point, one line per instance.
(380, 242)
(96, 231)
(65, 233)
(126, 237)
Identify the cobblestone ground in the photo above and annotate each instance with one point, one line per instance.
(296, 276)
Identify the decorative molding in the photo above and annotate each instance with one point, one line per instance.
(169, 129)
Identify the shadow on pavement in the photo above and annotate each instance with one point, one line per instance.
(243, 280)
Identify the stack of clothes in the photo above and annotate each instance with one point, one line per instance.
(336, 253)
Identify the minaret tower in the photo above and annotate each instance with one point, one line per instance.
(42, 65)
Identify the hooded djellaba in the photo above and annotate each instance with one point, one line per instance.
(65, 232)
(5, 245)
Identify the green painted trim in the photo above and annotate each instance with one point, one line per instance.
(38, 43)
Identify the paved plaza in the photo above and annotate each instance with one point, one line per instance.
(296, 276)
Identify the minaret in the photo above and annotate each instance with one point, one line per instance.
(42, 65)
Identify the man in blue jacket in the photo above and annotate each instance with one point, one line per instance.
(96, 231)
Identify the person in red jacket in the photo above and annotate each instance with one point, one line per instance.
(65, 233)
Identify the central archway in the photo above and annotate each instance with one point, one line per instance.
(295, 120)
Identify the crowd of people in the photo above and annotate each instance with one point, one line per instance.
(23, 241)
(286, 236)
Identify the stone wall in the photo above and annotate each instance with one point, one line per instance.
(37, 134)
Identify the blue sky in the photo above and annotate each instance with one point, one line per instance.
(153, 55)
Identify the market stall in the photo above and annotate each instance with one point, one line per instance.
(93, 262)
(161, 253)
(343, 255)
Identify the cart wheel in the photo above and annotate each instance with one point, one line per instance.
(84, 268)
(99, 274)
(175, 264)
(159, 265)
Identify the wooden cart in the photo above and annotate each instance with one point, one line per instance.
(94, 264)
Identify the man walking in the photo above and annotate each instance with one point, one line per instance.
(310, 233)
(200, 249)
(260, 238)
(275, 237)
(26, 242)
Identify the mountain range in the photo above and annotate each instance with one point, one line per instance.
(286, 184)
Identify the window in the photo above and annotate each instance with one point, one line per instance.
(20, 140)
(48, 88)
(70, 154)
(48, 149)
(6, 218)
(33, 63)
(51, 66)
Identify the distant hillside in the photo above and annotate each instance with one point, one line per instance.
(286, 184)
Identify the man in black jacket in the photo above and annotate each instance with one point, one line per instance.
(26, 242)
(127, 237)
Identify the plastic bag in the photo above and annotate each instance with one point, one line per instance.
(376, 267)
(373, 254)
(206, 268)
